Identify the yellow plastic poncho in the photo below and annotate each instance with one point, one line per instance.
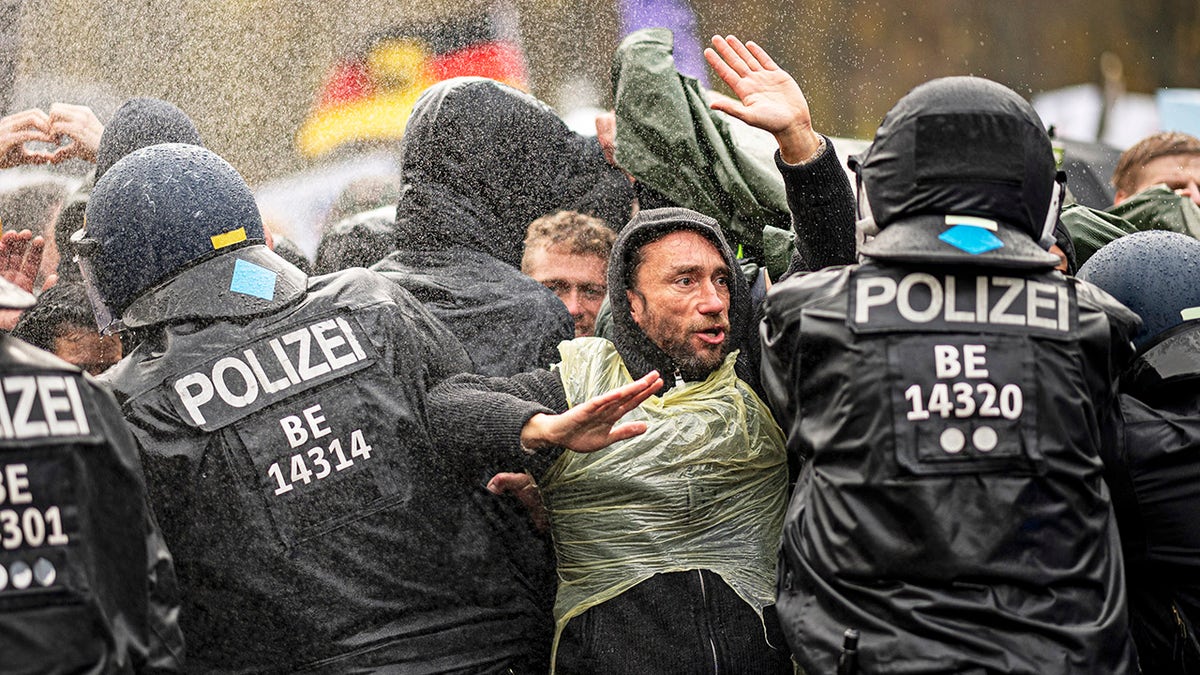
(704, 488)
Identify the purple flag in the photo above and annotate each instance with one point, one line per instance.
(676, 15)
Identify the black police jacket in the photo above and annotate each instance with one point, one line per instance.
(951, 508)
(314, 523)
(86, 583)
(1155, 479)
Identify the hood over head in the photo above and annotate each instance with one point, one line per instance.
(962, 171)
(641, 355)
(481, 160)
(140, 123)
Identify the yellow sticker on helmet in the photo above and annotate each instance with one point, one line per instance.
(229, 238)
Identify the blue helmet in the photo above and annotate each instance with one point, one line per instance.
(1154, 273)
(155, 213)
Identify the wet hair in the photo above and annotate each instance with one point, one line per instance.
(59, 310)
(1129, 167)
(577, 233)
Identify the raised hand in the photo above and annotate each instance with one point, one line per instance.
(20, 128)
(770, 98)
(82, 129)
(591, 425)
(20, 258)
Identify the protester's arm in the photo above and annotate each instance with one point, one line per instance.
(526, 417)
(592, 425)
(18, 129)
(479, 418)
(80, 125)
(822, 205)
(818, 192)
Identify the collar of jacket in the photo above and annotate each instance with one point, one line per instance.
(640, 354)
(244, 282)
(1173, 359)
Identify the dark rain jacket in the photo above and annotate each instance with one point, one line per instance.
(951, 507)
(707, 625)
(479, 162)
(316, 523)
(1155, 479)
(86, 583)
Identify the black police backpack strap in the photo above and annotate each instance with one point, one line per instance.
(961, 361)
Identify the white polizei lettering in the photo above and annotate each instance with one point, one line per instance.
(193, 400)
(999, 311)
(358, 350)
(16, 477)
(304, 366)
(287, 366)
(334, 338)
(864, 300)
(22, 425)
(974, 360)
(1035, 301)
(293, 428)
(5, 419)
(260, 374)
(52, 405)
(328, 344)
(903, 293)
(315, 420)
(981, 298)
(1064, 309)
(945, 361)
(218, 377)
(81, 421)
(953, 314)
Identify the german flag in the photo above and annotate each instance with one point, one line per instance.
(368, 95)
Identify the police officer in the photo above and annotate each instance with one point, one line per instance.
(1155, 473)
(282, 422)
(79, 549)
(949, 395)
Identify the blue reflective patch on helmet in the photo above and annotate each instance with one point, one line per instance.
(972, 239)
(250, 279)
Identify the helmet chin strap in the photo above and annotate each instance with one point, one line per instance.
(1056, 197)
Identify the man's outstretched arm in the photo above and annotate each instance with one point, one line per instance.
(509, 423)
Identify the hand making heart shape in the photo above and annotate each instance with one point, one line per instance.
(73, 130)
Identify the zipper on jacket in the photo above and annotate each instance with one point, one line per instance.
(704, 596)
(678, 378)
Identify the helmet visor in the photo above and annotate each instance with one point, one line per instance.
(85, 251)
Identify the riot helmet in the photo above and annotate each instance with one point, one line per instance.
(961, 171)
(155, 213)
(1154, 274)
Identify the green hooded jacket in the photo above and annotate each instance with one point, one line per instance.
(1155, 208)
(669, 139)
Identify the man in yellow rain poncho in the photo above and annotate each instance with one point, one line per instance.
(666, 526)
